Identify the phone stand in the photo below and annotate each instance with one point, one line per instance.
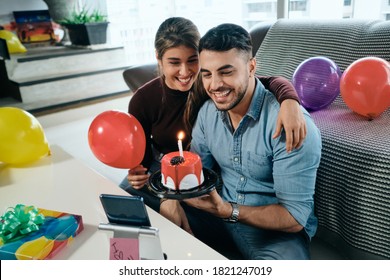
(149, 239)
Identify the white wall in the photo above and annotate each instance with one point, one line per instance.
(364, 9)
(8, 6)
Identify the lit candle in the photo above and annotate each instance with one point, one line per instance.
(180, 136)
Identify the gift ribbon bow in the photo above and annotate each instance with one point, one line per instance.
(18, 221)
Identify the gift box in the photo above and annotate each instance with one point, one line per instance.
(41, 237)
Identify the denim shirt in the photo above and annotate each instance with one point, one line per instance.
(256, 169)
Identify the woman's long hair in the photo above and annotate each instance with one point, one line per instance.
(196, 98)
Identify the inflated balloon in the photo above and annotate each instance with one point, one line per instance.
(22, 139)
(317, 82)
(117, 139)
(13, 43)
(365, 86)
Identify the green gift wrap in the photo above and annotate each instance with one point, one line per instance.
(30, 233)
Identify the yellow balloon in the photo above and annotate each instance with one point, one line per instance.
(22, 139)
(37, 249)
(13, 43)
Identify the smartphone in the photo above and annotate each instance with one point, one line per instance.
(125, 210)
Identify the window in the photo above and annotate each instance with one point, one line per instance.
(297, 6)
(260, 7)
(133, 23)
(347, 2)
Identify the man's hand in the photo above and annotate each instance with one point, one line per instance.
(212, 203)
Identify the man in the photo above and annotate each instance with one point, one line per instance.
(267, 194)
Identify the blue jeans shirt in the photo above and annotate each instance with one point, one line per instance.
(256, 169)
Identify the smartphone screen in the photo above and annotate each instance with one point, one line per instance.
(127, 210)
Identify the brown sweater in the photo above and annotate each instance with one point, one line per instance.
(160, 111)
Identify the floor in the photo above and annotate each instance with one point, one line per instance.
(69, 129)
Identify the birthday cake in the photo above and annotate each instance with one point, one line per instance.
(181, 172)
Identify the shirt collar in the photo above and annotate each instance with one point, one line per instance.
(254, 109)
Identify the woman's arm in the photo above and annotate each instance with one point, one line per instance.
(290, 117)
(137, 177)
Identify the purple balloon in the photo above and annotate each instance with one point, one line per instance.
(317, 82)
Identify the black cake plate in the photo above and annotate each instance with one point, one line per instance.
(159, 190)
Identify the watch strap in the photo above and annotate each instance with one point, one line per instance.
(234, 215)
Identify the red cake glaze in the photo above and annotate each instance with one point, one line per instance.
(190, 170)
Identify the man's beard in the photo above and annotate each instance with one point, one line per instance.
(235, 102)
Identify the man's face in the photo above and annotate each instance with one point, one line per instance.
(225, 76)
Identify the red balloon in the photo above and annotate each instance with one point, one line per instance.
(365, 86)
(117, 139)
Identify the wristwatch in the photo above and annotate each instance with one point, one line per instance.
(234, 216)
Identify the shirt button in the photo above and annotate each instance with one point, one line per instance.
(236, 159)
(242, 179)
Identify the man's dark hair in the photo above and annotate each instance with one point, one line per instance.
(225, 37)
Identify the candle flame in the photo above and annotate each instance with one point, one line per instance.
(180, 135)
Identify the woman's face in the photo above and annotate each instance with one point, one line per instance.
(180, 66)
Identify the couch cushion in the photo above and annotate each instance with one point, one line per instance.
(353, 183)
(289, 42)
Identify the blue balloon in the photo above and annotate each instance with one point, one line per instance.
(317, 82)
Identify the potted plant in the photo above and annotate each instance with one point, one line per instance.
(85, 28)
(60, 9)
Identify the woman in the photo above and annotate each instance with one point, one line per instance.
(168, 104)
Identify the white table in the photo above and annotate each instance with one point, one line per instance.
(60, 182)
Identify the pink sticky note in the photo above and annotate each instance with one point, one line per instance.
(124, 249)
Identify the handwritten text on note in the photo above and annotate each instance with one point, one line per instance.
(124, 249)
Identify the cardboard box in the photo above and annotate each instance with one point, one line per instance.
(56, 232)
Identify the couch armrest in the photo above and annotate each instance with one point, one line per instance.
(137, 75)
(258, 32)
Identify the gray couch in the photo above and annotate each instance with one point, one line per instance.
(353, 185)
